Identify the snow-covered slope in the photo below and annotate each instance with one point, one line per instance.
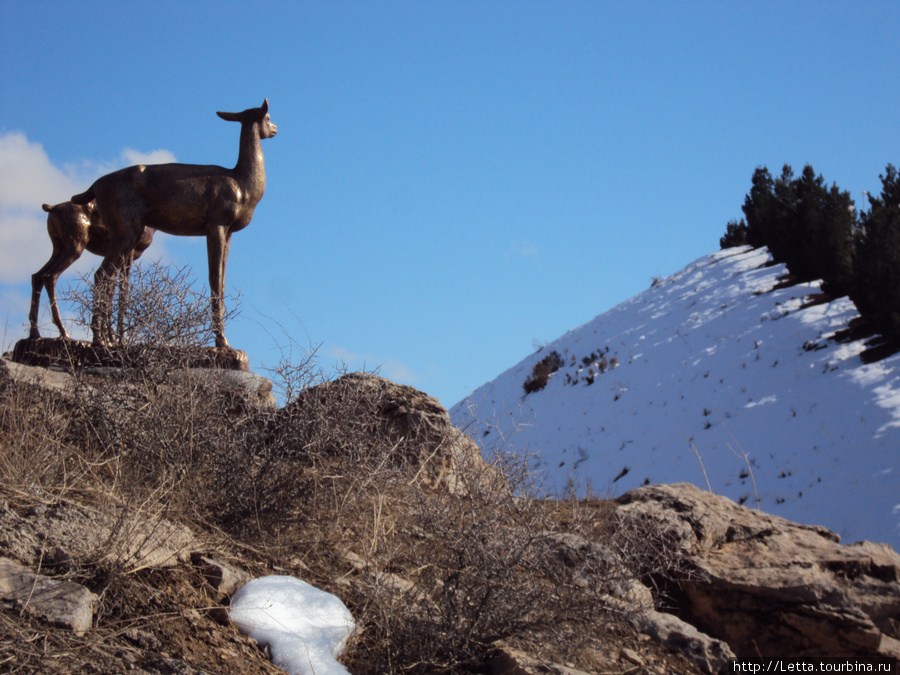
(718, 377)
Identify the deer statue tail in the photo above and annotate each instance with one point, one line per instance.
(84, 197)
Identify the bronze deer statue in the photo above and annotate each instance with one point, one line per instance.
(74, 228)
(189, 200)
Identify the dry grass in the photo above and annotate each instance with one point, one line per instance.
(438, 560)
(434, 576)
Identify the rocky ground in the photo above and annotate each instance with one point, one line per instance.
(98, 576)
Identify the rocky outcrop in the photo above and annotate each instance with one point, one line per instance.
(729, 580)
(707, 653)
(769, 587)
(513, 662)
(629, 597)
(415, 424)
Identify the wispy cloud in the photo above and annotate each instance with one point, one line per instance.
(27, 179)
(27, 176)
(523, 249)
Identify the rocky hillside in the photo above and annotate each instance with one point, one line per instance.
(135, 502)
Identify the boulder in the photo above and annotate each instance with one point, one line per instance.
(416, 425)
(62, 603)
(767, 586)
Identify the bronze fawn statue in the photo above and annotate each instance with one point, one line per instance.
(72, 229)
(188, 200)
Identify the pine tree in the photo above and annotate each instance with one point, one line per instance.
(876, 288)
(820, 226)
(782, 236)
(804, 224)
(759, 205)
(836, 242)
(735, 234)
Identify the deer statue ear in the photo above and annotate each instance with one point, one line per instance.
(230, 117)
(265, 107)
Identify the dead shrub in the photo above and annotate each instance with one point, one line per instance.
(655, 554)
(541, 372)
(36, 461)
(460, 573)
(163, 309)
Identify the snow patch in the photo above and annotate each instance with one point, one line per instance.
(306, 629)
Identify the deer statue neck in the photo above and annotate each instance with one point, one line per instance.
(251, 167)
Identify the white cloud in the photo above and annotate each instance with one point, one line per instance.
(130, 156)
(28, 179)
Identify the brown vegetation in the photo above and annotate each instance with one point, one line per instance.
(359, 486)
(118, 478)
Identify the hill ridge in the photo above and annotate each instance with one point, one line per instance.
(724, 375)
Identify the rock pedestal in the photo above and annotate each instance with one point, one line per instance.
(56, 363)
(71, 354)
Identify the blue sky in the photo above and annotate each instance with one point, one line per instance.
(452, 182)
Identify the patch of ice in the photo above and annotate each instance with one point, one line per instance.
(763, 401)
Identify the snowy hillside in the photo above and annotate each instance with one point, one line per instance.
(718, 377)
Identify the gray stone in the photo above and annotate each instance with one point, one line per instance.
(629, 655)
(62, 603)
(80, 532)
(707, 653)
(225, 579)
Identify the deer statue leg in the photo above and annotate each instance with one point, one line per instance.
(104, 287)
(50, 283)
(37, 285)
(46, 277)
(101, 301)
(124, 276)
(218, 239)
